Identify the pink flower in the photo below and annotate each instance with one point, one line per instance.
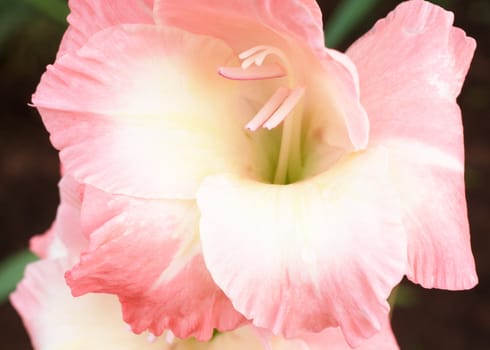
(234, 169)
(57, 320)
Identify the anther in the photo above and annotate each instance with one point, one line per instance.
(286, 107)
(268, 109)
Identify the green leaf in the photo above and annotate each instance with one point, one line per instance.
(346, 17)
(13, 15)
(404, 295)
(12, 270)
(55, 9)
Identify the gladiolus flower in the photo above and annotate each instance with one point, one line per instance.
(235, 169)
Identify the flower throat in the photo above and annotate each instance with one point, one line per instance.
(279, 109)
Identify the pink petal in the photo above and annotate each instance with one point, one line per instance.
(321, 253)
(339, 116)
(242, 24)
(40, 244)
(56, 320)
(67, 224)
(88, 17)
(411, 67)
(149, 103)
(147, 253)
(332, 339)
(64, 236)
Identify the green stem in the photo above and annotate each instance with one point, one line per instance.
(282, 162)
(295, 168)
(289, 161)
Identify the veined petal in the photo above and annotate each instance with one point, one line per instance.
(242, 23)
(149, 102)
(411, 66)
(56, 320)
(321, 253)
(88, 17)
(147, 252)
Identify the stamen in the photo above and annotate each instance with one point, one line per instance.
(269, 71)
(286, 107)
(268, 109)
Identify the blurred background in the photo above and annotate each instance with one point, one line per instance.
(30, 31)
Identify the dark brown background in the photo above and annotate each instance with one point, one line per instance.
(428, 319)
